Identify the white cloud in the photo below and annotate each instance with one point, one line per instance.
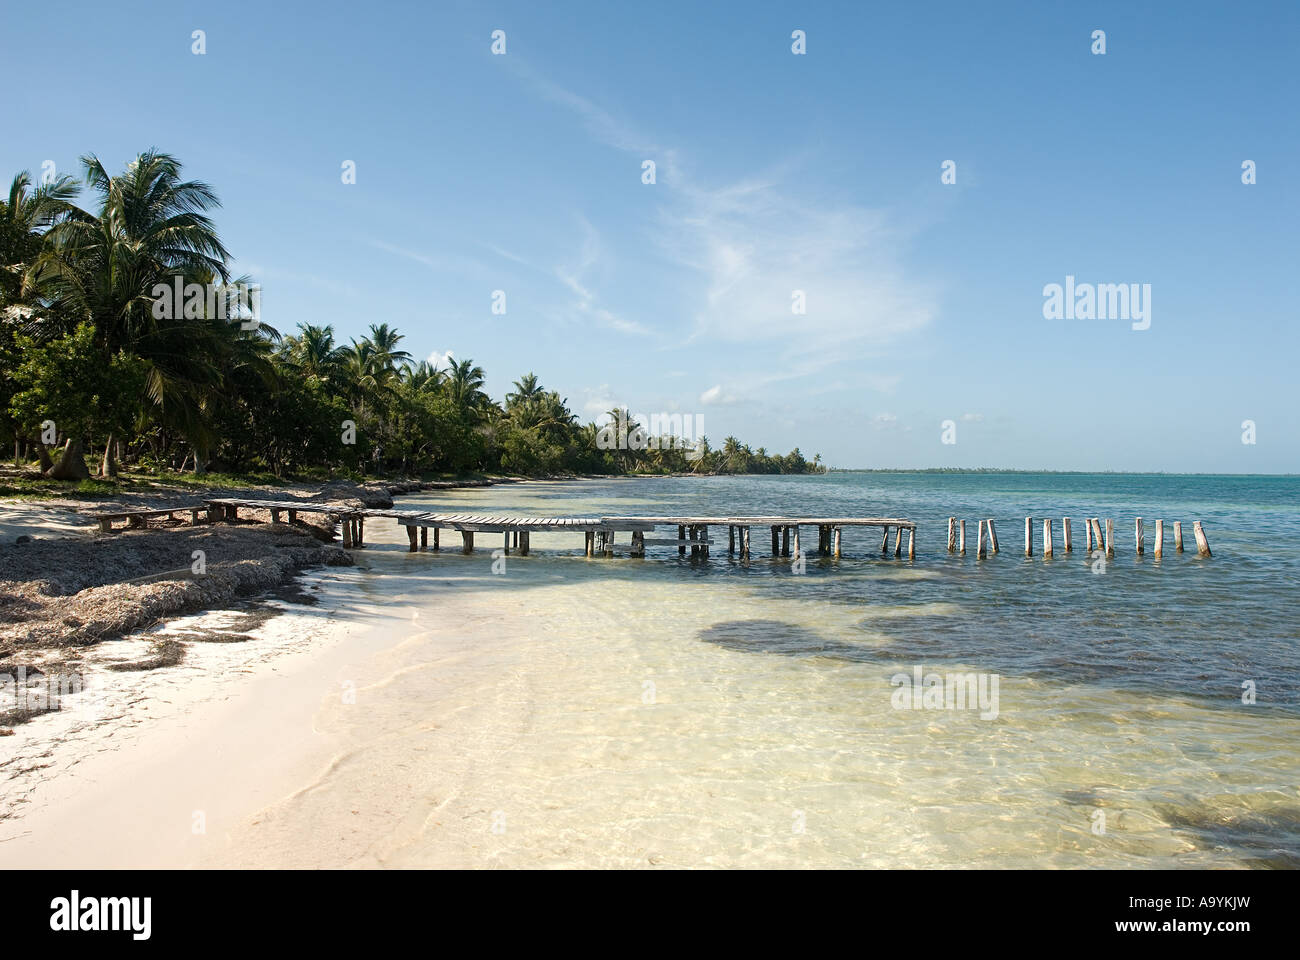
(973, 417)
(440, 360)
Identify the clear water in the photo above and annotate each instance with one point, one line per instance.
(718, 713)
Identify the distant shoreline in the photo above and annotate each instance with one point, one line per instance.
(1079, 473)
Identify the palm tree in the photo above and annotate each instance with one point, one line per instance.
(24, 218)
(314, 354)
(526, 388)
(422, 377)
(464, 385)
(104, 267)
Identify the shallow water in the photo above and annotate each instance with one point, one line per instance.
(685, 713)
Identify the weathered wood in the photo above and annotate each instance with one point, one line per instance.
(523, 544)
(744, 543)
(836, 537)
(1202, 542)
(993, 537)
(884, 542)
(1087, 539)
(361, 530)
(1066, 540)
(952, 534)
(347, 533)
(776, 541)
(424, 538)
(505, 547)
(795, 547)
(1139, 537)
(293, 516)
(731, 538)
(961, 539)
(911, 543)
(704, 537)
(467, 541)
(275, 515)
(413, 538)
(638, 542)
(785, 541)
(980, 552)
(1029, 536)
(1178, 536)
(1110, 538)
(1159, 539)
(898, 542)
(435, 538)
(681, 535)
(105, 525)
(1047, 539)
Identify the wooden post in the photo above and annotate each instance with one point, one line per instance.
(105, 526)
(1065, 535)
(731, 539)
(1087, 539)
(704, 547)
(638, 543)
(361, 531)
(898, 542)
(1160, 538)
(505, 547)
(215, 513)
(961, 539)
(293, 516)
(435, 538)
(693, 532)
(744, 543)
(795, 555)
(911, 543)
(835, 540)
(681, 537)
(523, 544)
(467, 541)
(785, 541)
(194, 516)
(776, 541)
(952, 534)
(589, 542)
(1202, 542)
(424, 538)
(884, 541)
(980, 553)
(1098, 540)
(1178, 536)
(1139, 537)
(1029, 536)
(275, 515)
(232, 512)
(1047, 539)
(413, 537)
(1110, 539)
(993, 537)
(347, 533)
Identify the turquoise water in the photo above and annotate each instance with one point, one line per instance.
(772, 734)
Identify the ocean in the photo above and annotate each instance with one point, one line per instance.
(664, 711)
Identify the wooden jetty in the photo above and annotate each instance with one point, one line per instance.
(692, 533)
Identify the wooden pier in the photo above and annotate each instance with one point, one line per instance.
(691, 533)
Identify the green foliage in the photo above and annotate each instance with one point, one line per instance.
(83, 342)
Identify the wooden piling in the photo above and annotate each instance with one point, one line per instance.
(795, 555)
(911, 544)
(275, 515)
(952, 534)
(467, 541)
(347, 533)
(785, 541)
(505, 547)
(835, 542)
(731, 538)
(744, 543)
(980, 554)
(1029, 536)
(638, 543)
(435, 538)
(1178, 536)
(1047, 539)
(1066, 541)
(898, 542)
(424, 538)
(693, 532)
(961, 539)
(681, 537)
(884, 541)
(1160, 538)
(776, 541)
(993, 537)
(704, 535)
(1110, 538)
(293, 516)
(1139, 537)
(1202, 542)
(1087, 531)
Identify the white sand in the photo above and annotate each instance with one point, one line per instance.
(34, 520)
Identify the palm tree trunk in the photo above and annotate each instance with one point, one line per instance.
(72, 465)
(109, 466)
(44, 456)
(200, 462)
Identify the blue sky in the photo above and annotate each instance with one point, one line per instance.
(775, 172)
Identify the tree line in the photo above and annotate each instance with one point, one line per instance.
(105, 353)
